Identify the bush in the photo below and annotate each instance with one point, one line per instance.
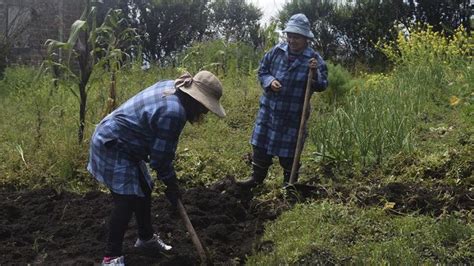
(340, 83)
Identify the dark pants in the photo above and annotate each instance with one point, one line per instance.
(124, 207)
(263, 160)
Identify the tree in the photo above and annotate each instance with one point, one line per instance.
(318, 12)
(443, 15)
(367, 21)
(167, 26)
(348, 32)
(235, 20)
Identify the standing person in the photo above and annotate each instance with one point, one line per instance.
(146, 128)
(283, 73)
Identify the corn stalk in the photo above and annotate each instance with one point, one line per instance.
(114, 38)
(88, 47)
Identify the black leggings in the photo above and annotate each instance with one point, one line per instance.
(124, 207)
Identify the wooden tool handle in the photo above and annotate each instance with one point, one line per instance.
(194, 237)
(299, 142)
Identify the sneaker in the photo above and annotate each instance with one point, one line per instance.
(154, 242)
(113, 261)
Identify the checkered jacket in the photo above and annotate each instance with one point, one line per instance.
(145, 128)
(278, 118)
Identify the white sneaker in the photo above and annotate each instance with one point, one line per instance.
(154, 242)
(118, 261)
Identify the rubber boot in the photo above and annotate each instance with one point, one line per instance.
(258, 175)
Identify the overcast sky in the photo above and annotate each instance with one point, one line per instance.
(269, 7)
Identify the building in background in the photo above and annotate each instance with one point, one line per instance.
(25, 25)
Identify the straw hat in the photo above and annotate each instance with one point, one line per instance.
(299, 24)
(204, 87)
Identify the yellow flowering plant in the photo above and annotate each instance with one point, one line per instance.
(442, 62)
(421, 44)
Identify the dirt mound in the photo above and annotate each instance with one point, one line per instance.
(44, 226)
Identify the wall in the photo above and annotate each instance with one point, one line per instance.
(27, 24)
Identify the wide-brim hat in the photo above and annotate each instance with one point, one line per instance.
(206, 89)
(299, 24)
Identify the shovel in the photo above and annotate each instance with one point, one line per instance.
(305, 189)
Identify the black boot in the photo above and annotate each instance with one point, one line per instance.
(258, 175)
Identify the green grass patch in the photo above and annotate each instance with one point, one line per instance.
(327, 233)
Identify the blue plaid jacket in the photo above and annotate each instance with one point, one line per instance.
(278, 118)
(145, 128)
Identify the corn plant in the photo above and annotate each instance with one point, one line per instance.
(88, 47)
(229, 59)
(79, 48)
(114, 38)
(269, 35)
(224, 58)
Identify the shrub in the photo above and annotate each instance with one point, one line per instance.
(340, 83)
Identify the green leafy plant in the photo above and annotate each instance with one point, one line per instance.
(114, 41)
(87, 48)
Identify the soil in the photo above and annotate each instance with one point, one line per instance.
(49, 227)
(45, 226)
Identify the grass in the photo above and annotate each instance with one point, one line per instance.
(328, 233)
(45, 127)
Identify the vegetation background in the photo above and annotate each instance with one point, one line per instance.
(391, 140)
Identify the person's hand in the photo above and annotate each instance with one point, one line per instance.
(172, 191)
(275, 86)
(313, 63)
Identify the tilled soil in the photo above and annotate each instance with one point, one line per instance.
(47, 227)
